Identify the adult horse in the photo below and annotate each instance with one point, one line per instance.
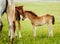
(8, 7)
(40, 20)
(3, 7)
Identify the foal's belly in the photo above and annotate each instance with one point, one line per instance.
(39, 23)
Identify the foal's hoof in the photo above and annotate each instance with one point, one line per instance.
(9, 36)
(50, 36)
(34, 36)
(20, 36)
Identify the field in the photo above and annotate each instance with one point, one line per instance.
(39, 8)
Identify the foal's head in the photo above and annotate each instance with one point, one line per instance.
(21, 11)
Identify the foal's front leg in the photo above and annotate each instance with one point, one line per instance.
(34, 30)
(19, 27)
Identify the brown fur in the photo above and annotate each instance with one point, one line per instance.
(19, 11)
(17, 15)
(38, 19)
(31, 13)
(14, 26)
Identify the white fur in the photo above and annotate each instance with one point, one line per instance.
(50, 31)
(20, 35)
(43, 21)
(34, 31)
(9, 2)
(2, 6)
(9, 34)
(11, 31)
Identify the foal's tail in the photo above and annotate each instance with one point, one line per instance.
(53, 20)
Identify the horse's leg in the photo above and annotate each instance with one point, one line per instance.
(19, 27)
(11, 22)
(34, 30)
(11, 31)
(1, 25)
(50, 30)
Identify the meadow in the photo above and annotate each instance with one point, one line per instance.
(40, 8)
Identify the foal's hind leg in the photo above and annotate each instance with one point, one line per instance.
(50, 30)
(19, 27)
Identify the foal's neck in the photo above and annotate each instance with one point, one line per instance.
(29, 16)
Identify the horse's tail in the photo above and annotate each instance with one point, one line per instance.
(53, 20)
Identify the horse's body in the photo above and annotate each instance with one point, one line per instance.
(40, 20)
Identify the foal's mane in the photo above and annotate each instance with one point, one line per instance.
(32, 13)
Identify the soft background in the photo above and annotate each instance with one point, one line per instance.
(40, 8)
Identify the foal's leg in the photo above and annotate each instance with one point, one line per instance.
(50, 30)
(19, 27)
(34, 30)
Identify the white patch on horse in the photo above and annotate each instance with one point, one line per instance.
(20, 35)
(9, 2)
(2, 6)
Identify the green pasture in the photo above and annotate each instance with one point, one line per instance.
(40, 8)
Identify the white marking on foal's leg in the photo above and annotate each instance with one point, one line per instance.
(20, 34)
(50, 30)
(34, 31)
(9, 2)
(9, 33)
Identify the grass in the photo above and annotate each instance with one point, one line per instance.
(27, 29)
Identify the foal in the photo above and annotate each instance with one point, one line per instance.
(19, 11)
(40, 20)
